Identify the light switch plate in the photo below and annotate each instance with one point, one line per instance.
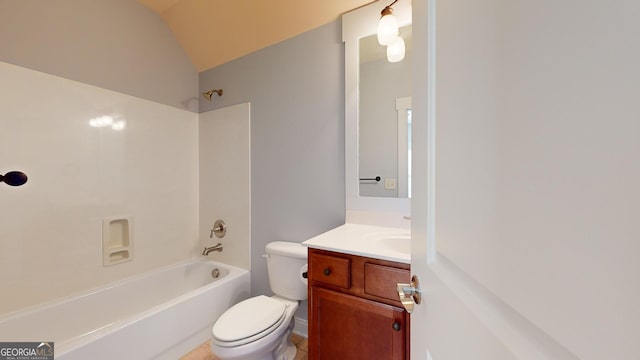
(389, 184)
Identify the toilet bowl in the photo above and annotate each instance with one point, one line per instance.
(260, 327)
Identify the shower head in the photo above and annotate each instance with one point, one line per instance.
(207, 95)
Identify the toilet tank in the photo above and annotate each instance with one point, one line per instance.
(286, 261)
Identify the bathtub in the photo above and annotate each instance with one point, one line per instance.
(161, 314)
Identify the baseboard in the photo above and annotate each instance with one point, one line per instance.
(301, 327)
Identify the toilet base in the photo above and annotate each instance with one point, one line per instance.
(275, 346)
(286, 350)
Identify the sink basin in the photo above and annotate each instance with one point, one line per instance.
(396, 241)
(378, 242)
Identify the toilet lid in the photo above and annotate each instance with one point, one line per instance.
(249, 318)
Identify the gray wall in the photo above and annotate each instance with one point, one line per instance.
(114, 44)
(296, 90)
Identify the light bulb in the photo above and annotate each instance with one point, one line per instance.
(387, 27)
(395, 50)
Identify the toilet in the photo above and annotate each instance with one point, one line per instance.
(260, 327)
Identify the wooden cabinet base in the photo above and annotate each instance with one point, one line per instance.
(351, 320)
(350, 328)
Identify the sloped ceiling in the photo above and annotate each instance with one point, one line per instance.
(213, 32)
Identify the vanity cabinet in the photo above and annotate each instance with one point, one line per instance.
(354, 311)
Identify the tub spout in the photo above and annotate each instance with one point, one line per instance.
(216, 247)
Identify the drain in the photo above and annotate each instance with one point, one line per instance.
(215, 273)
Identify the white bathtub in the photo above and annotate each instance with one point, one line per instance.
(161, 314)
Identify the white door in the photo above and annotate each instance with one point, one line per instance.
(526, 168)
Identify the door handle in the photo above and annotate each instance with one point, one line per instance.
(410, 294)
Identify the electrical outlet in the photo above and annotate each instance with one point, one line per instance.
(389, 184)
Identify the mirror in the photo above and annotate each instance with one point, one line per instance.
(372, 148)
(384, 120)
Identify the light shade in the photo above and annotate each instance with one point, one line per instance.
(387, 27)
(395, 50)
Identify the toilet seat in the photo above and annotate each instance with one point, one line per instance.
(248, 321)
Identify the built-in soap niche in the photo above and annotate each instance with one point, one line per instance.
(117, 240)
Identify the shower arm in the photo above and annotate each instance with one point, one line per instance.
(207, 95)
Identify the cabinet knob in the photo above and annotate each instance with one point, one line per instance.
(326, 271)
(396, 326)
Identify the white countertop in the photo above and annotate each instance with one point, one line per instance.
(385, 243)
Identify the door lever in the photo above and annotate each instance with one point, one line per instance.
(410, 294)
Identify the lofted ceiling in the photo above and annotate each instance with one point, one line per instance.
(213, 32)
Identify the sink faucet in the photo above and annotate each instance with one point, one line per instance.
(216, 247)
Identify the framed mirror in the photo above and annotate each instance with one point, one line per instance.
(377, 113)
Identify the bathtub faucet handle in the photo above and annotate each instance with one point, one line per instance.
(219, 228)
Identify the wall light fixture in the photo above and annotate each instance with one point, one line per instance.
(387, 26)
(395, 50)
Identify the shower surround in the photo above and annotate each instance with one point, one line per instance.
(90, 154)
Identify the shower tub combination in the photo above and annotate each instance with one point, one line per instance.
(161, 314)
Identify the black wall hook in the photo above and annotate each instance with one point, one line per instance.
(14, 178)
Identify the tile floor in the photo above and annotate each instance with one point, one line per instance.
(203, 352)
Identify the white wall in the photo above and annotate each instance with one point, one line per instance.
(537, 163)
(225, 182)
(50, 228)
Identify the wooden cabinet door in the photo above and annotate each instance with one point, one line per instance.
(346, 327)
